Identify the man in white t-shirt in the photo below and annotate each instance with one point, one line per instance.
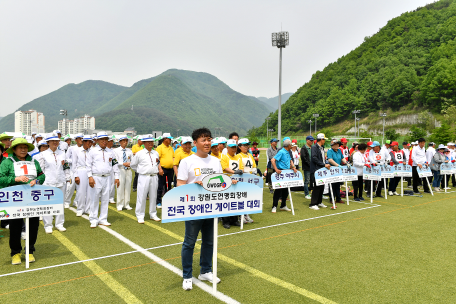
(193, 169)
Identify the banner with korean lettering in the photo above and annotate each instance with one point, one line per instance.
(248, 178)
(424, 172)
(387, 171)
(348, 174)
(446, 168)
(287, 179)
(328, 176)
(373, 173)
(24, 201)
(402, 170)
(192, 202)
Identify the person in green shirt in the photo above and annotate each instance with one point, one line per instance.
(8, 177)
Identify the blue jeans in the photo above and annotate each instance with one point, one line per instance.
(437, 179)
(192, 228)
(306, 182)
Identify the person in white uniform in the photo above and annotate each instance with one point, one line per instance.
(112, 190)
(124, 157)
(70, 187)
(147, 164)
(79, 168)
(100, 163)
(57, 171)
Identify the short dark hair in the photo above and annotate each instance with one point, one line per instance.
(421, 140)
(232, 135)
(201, 132)
(362, 147)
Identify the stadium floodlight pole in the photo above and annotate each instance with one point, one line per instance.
(356, 112)
(358, 119)
(64, 113)
(267, 127)
(316, 116)
(383, 115)
(280, 40)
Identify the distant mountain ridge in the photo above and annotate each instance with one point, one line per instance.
(274, 101)
(175, 99)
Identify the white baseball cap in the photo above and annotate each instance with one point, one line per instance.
(186, 139)
(243, 141)
(102, 134)
(214, 142)
(231, 143)
(167, 135)
(321, 136)
(148, 137)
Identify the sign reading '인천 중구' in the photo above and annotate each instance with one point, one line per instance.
(286, 179)
(218, 197)
(23, 201)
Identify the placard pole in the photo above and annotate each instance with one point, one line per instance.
(402, 186)
(346, 193)
(429, 185)
(27, 243)
(214, 257)
(444, 176)
(332, 197)
(291, 201)
(386, 190)
(372, 191)
(242, 221)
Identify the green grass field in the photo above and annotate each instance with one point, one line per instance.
(399, 250)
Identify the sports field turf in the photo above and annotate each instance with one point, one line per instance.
(399, 250)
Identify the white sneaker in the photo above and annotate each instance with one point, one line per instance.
(325, 197)
(187, 284)
(395, 193)
(104, 223)
(23, 235)
(436, 189)
(112, 202)
(390, 193)
(48, 230)
(60, 228)
(208, 277)
(274, 210)
(314, 207)
(93, 225)
(7, 226)
(285, 209)
(321, 205)
(248, 218)
(128, 208)
(140, 221)
(119, 209)
(308, 196)
(67, 205)
(79, 213)
(155, 218)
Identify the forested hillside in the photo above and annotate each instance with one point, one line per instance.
(411, 60)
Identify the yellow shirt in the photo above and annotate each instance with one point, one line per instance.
(136, 148)
(247, 161)
(166, 155)
(180, 156)
(219, 156)
(178, 150)
(231, 162)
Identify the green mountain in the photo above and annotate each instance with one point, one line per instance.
(274, 101)
(77, 99)
(410, 61)
(191, 100)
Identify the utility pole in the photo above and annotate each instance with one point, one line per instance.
(316, 116)
(356, 112)
(310, 126)
(383, 115)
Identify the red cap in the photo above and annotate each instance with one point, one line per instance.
(294, 141)
(394, 143)
(370, 143)
(344, 140)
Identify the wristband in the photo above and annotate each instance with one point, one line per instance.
(37, 181)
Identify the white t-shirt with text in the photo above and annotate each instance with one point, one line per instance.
(194, 168)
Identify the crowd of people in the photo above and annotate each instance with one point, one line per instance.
(313, 157)
(101, 174)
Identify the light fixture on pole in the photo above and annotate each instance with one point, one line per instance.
(271, 130)
(316, 116)
(267, 126)
(280, 40)
(64, 113)
(383, 115)
(356, 112)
